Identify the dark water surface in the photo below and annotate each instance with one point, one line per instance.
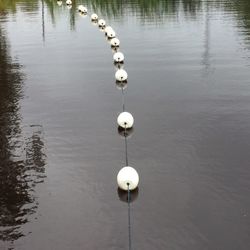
(189, 90)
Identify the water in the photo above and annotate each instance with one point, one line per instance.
(189, 69)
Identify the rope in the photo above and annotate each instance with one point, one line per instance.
(123, 100)
(126, 146)
(125, 129)
(129, 221)
(126, 160)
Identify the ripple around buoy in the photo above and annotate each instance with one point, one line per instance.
(128, 178)
(125, 120)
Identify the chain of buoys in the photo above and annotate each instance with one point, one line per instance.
(127, 177)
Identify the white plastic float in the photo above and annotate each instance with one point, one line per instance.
(128, 178)
(115, 42)
(118, 57)
(107, 29)
(121, 75)
(68, 2)
(82, 9)
(125, 120)
(94, 17)
(111, 34)
(101, 23)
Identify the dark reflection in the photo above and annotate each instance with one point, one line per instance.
(121, 83)
(22, 160)
(118, 65)
(150, 9)
(125, 132)
(95, 23)
(206, 55)
(11, 5)
(242, 13)
(123, 195)
(192, 7)
(43, 23)
(114, 49)
(73, 12)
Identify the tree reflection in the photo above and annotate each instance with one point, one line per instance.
(22, 160)
(146, 9)
(152, 10)
(242, 11)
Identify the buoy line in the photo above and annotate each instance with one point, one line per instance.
(127, 177)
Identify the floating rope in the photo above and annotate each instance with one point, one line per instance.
(129, 175)
(129, 221)
(123, 100)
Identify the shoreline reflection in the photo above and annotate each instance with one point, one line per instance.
(22, 158)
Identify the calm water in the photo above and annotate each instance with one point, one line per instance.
(189, 91)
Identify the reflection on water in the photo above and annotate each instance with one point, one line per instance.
(242, 10)
(191, 140)
(148, 11)
(22, 157)
(153, 10)
(123, 195)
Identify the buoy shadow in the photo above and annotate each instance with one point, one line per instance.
(125, 132)
(123, 195)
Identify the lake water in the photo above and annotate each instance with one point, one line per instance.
(188, 63)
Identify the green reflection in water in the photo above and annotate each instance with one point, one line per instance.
(147, 9)
(242, 10)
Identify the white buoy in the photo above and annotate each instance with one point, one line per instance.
(127, 178)
(111, 34)
(94, 17)
(115, 42)
(118, 57)
(68, 2)
(125, 120)
(101, 23)
(84, 10)
(80, 8)
(107, 29)
(121, 75)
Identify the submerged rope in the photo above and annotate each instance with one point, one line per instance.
(125, 133)
(129, 221)
(126, 146)
(123, 100)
